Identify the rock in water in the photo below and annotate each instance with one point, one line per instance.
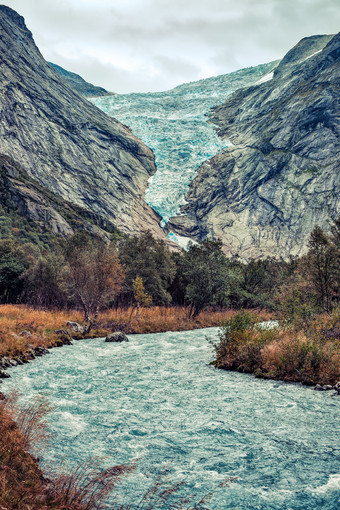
(117, 336)
(66, 143)
(263, 195)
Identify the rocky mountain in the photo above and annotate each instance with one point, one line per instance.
(174, 124)
(78, 83)
(65, 143)
(280, 175)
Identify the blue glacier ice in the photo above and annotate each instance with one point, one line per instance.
(174, 124)
(157, 399)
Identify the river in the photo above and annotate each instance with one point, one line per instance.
(157, 399)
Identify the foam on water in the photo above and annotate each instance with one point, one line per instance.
(157, 399)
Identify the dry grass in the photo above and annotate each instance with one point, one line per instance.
(159, 319)
(18, 320)
(41, 325)
(22, 484)
(310, 356)
(297, 357)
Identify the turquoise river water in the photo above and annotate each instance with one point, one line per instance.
(156, 399)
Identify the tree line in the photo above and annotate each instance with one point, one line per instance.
(90, 273)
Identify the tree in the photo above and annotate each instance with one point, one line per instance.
(320, 255)
(44, 281)
(335, 264)
(13, 263)
(209, 275)
(141, 298)
(95, 275)
(148, 258)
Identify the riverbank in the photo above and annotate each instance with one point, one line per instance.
(156, 398)
(25, 332)
(23, 486)
(307, 354)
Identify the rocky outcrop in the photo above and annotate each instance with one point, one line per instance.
(78, 83)
(64, 142)
(263, 195)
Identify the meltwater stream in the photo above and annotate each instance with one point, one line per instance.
(156, 399)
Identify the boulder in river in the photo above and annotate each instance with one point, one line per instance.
(117, 336)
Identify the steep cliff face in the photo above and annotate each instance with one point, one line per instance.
(42, 208)
(263, 195)
(78, 83)
(64, 142)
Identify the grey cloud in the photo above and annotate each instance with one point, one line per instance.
(178, 67)
(171, 42)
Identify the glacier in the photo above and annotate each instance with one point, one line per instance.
(175, 125)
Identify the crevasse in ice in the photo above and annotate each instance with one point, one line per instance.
(174, 124)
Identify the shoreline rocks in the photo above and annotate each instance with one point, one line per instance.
(329, 387)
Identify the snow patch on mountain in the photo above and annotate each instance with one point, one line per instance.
(266, 78)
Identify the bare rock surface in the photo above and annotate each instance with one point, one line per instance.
(117, 336)
(264, 194)
(64, 142)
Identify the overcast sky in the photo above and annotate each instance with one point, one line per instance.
(153, 45)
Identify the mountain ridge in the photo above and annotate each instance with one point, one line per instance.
(78, 83)
(280, 176)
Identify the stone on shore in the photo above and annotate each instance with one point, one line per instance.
(75, 327)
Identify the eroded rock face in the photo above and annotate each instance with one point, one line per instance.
(263, 195)
(66, 143)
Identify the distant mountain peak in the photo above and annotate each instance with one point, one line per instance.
(14, 17)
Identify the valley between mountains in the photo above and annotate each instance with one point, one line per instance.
(259, 171)
(132, 222)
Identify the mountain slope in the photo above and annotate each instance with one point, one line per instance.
(174, 124)
(45, 211)
(64, 142)
(264, 194)
(78, 83)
